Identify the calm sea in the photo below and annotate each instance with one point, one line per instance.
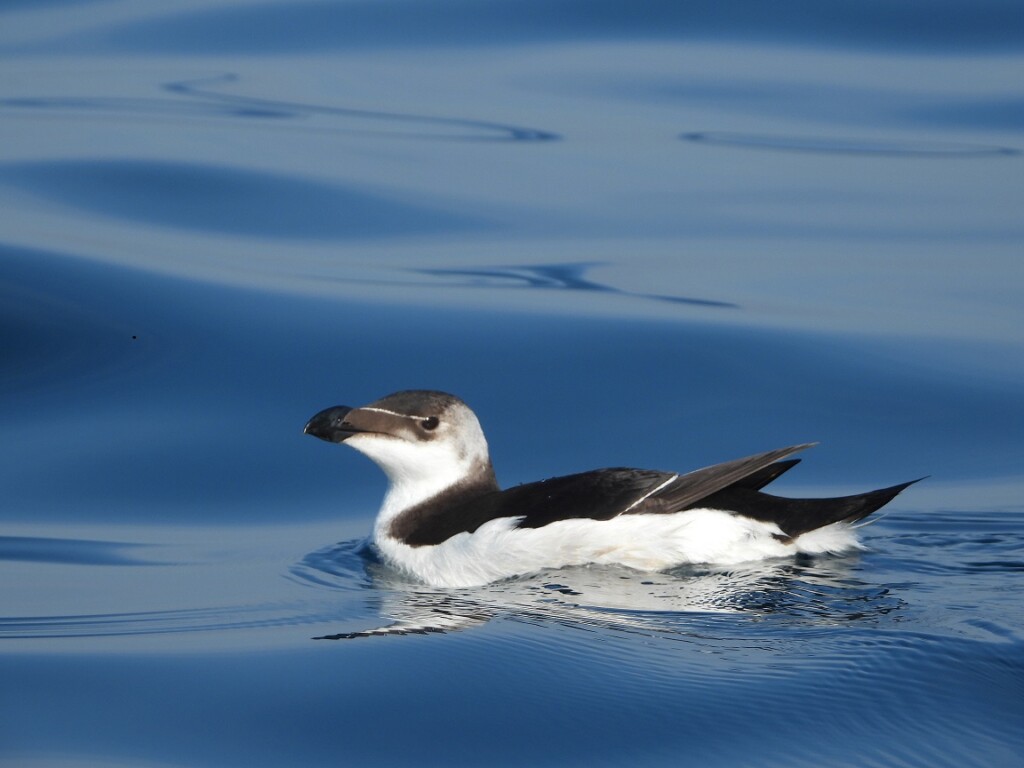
(657, 235)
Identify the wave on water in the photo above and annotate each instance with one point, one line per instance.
(843, 146)
(199, 99)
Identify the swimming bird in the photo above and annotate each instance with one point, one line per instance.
(445, 521)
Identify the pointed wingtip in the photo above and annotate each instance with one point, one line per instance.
(782, 453)
(903, 486)
(790, 450)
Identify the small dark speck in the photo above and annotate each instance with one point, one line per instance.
(134, 337)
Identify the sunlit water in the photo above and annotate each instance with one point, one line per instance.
(660, 239)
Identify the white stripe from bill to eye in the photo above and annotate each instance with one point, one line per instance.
(649, 494)
(389, 413)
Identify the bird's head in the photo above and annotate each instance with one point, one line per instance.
(425, 441)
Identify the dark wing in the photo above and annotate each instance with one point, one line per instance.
(686, 490)
(743, 496)
(761, 478)
(797, 516)
(600, 495)
(605, 493)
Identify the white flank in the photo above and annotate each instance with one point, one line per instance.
(499, 550)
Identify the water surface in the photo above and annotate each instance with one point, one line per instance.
(660, 240)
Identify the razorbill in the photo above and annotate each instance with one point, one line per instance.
(445, 521)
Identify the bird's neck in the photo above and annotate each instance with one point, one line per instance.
(436, 492)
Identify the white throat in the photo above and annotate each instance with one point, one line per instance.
(416, 471)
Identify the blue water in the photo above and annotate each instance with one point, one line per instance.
(660, 236)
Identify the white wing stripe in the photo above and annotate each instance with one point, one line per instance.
(649, 494)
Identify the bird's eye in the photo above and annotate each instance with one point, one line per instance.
(430, 423)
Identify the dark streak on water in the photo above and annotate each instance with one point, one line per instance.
(659, 238)
(557, 277)
(227, 200)
(846, 146)
(66, 551)
(197, 100)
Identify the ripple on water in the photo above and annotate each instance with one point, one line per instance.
(346, 566)
(83, 570)
(198, 99)
(842, 146)
(958, 542)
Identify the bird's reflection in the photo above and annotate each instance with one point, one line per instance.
(613, 598)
